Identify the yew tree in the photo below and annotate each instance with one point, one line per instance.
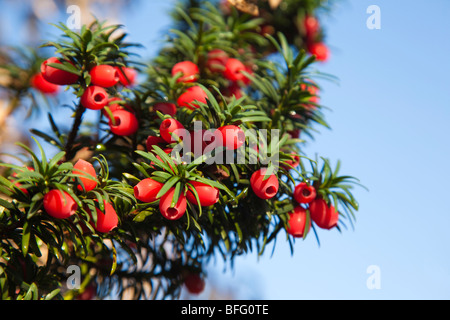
(193, 155)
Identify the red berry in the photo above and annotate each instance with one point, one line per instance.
(88, 293)
(233, 90)
(94, 98)
(59, 204)
(233, 69)
(233, 137)
(297, 222)
(194, 283)
(294, 133)
(166, 108)
(264, 189)
(311, 25)
(189, 70)
(202, 139)
(168, 151)
(216, 60)
(303, 193)
(171, 126)
(126, 123)
(153, 140)
(320, 50)
(104, 75)
(57, 76)
(114, 106)
(245, 80)
(127, 76)
(313, 91)
(326, 217)
(106, 221)
(267, 29)
(19, 185)
(192, 94)
(147, 189)
(39, 83)
(86, 169)
(207, 195)
(294, 162)
(179, 208)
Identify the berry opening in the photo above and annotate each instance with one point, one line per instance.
(99, 97)
(116, 76)
(117, 121)
(73, 208)
(165, 124)
(172, 212)
(306, 192)
(271, 191)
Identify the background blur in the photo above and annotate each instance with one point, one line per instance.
(390, 115)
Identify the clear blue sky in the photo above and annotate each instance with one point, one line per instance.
(390, 117)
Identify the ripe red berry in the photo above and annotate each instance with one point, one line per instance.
(19, 185)
(168, 151)
(216, 60)
(233, 90)
(104, 75)
(311, 25)
(203, 141)
(294, 162)
(233, 137)
(194, 283)
(189, 70)
(264, 189)
(127, 76)
(114, 105)
(297, 222)
(294, 133)
(320, 50)
(86, 169)
(179, 208)
(233, 69)
(165, 108)
(88, 293)
(126, 123)
(94, 98)
(207, 195)
(153, 140)
(107, 220)
(246, 81)
(59, 204)
(313, 91)
(147, 189)
(192, 94)
(303, 193)
(170, 129)
(38, 82)
(57, 76)
(326, 217)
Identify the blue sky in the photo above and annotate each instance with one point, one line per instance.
(389, 117)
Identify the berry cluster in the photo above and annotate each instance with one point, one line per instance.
(147, 191)
(122, 119)
(324, 215)
(232, 69)
(60, 205)
(312, 36)
(161, 203)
